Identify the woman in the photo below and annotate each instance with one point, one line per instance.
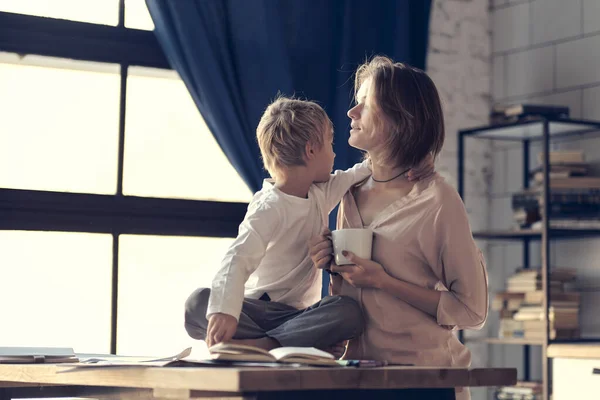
(427, 277)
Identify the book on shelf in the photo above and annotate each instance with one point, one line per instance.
(538, 177)
(513, 301)
(563, 157)
(537, 297)
(521, 310)
(553, 334)
(507, 301)
(575, 182)
(36, 355)
(531, 198)
(571, 168)
(521, 391)
(505, 113)
(574, 195)
(536, 109)
(559, 317)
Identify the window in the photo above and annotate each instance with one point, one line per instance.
(104, 12)
(137, 15)
(102, 152)
(56, 290)
(169, 150)
(59, 129)
(156, 275)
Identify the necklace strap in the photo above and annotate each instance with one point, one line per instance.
(391, 179)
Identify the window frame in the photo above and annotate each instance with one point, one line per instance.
(114, 214)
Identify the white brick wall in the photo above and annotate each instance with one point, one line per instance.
(458, 62)
(548, 52)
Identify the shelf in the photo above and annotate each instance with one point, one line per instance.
(555, 233)
(575, 350)
(508, 235)
(517, 341)
(533, 129)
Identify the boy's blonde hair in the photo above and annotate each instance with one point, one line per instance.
(285, 128)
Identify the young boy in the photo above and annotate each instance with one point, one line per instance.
(267, 292)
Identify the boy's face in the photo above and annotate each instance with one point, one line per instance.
(323, 161)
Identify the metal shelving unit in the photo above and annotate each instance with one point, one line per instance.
(543, 130)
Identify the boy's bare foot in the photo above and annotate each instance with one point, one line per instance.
(338, 349)
(265, 343)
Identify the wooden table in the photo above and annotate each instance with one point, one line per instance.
(18, 381)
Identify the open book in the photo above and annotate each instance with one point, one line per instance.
(300, 355)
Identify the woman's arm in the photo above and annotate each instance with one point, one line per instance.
(461, 266)
(367, 273)
(426, 300)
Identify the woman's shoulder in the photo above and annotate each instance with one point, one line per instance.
(437, 190)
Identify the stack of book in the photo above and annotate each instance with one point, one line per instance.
(521, 391)
(574, 195)
(507, 113)
(521, 306)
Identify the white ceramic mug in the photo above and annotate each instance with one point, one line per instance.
(358, 241)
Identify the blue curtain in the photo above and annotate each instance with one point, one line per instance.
(235, 56)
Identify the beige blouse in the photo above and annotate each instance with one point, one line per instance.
(423, 238)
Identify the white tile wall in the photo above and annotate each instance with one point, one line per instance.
(511, 27)
(591, 16)
(496, 3)
(555, 19)
(498, 77)
(502, 216)
(591, 103)
(578, 61)
(498, 182)
(514, 169)
(559, 63)
(530, 71)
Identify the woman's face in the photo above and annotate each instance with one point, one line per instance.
(364, 134)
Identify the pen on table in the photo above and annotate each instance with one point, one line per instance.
(366, 363)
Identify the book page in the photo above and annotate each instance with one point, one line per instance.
(282, 353)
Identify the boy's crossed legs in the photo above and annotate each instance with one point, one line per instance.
(322, 325)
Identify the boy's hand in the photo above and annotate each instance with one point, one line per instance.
(221, 328)
(320, 249)
(421, 170)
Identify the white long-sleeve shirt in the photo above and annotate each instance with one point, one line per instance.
(270, 254)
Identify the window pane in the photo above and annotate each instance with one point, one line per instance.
(156, 275)
(169, 151)
(137, 15)
(56, 290)
(104, 12)
(59, 129)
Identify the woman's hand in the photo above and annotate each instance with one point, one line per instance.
(421, 170)
(321, 249)
(221, 328)
(364, 273)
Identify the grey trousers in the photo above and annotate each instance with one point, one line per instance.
(330, 321)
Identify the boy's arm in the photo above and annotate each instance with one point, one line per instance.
(241, 260)
(340, 181)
